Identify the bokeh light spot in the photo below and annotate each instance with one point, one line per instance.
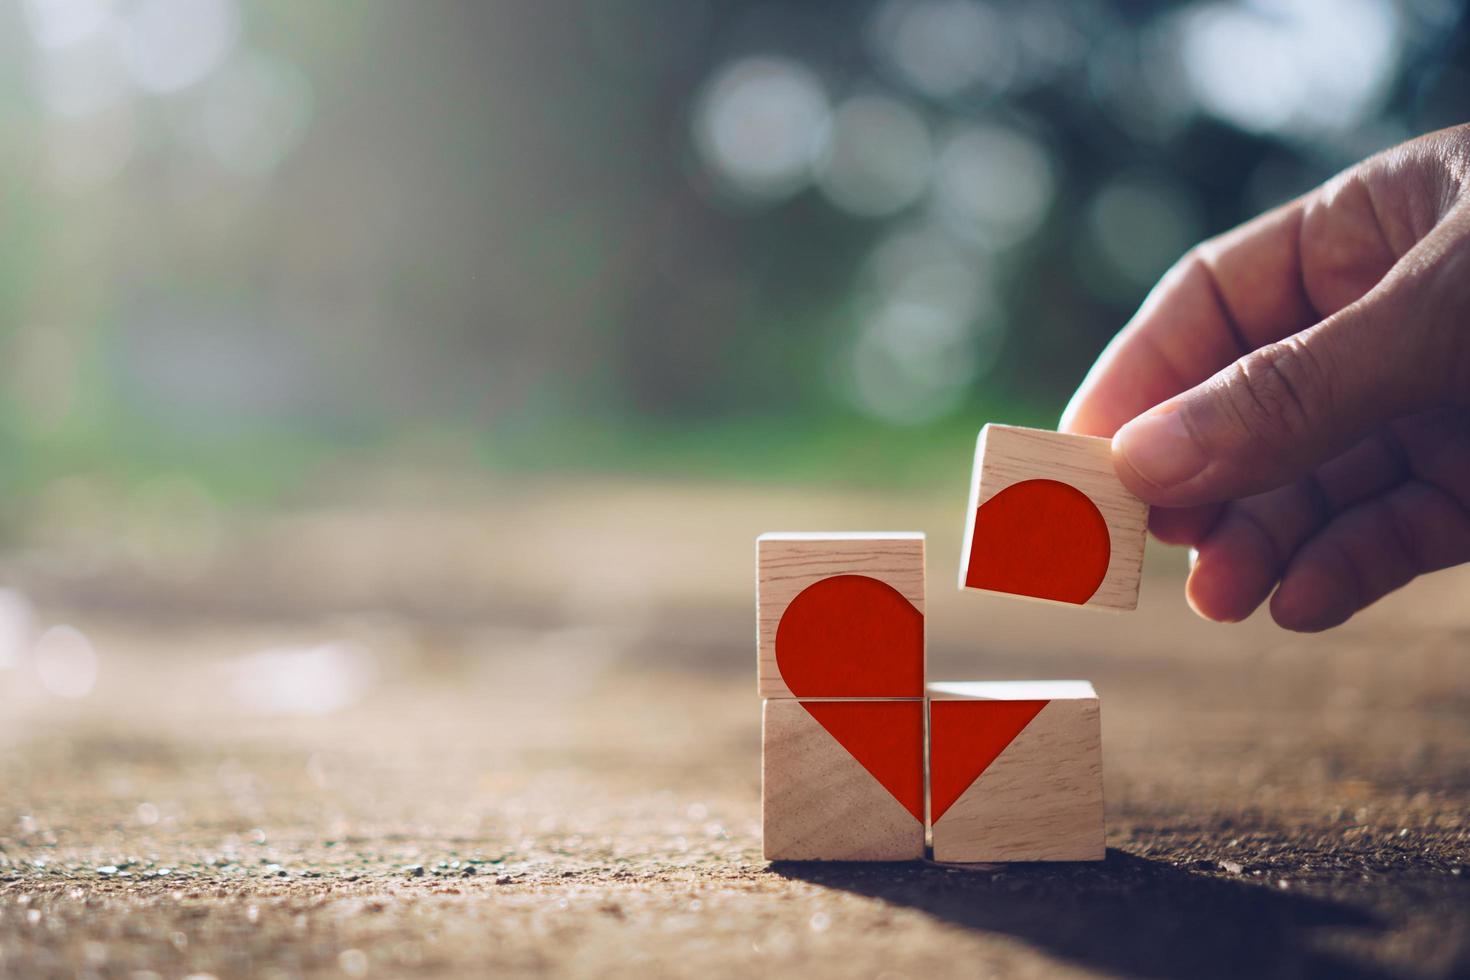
(58, 23)
(944, 47)
(83, 77)
(912, 363)
(313, 680)
(1300, 68)
(66, 663)
(876, 157)
(172, 44)
(757, 123)
(1140, 224)
(255, 111)
(994, 184)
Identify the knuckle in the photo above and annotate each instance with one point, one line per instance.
(1443, 321)
(1277, 393)
(1403, 542)
(1189, 267)
(1197, 258)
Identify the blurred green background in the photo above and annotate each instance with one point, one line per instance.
(240, 241)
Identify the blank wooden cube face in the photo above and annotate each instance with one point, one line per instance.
(840, 615)
(1015, 771)
(842, 780)
(1049, 519)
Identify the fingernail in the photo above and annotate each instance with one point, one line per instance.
(1159, 449)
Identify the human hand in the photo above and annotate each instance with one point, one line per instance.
(1304, 384)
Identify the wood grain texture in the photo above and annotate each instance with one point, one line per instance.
(788, 562)
(1040, 800)
(818, 803)
(1006, 455)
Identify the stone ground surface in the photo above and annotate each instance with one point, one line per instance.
(522, 738)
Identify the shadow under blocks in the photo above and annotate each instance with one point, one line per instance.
(1126, 914)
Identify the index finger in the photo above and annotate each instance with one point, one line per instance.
(1225, 298)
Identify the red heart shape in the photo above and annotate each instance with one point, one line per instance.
(886, 737)
(851, 636)
(1039, 538)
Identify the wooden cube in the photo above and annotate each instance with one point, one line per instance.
(842, 780)
(1015, 771)
(1049, 519)
(840, 615)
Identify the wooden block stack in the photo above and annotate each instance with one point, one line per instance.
(857, 750)
(840, 632)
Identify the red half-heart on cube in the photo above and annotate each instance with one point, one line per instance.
(851, 636)
(1039, 538)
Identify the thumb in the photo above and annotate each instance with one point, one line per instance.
(1276, 413)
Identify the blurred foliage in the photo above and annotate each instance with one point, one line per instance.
(799, 240)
